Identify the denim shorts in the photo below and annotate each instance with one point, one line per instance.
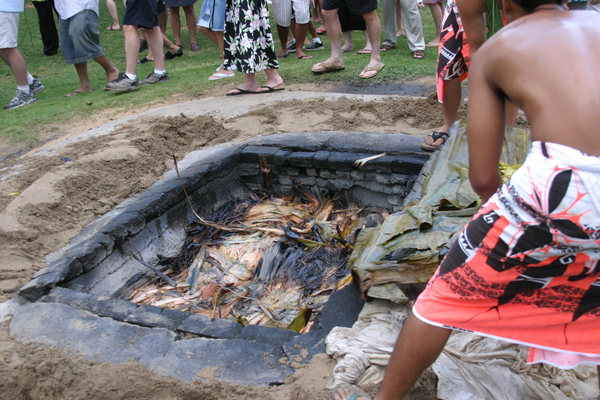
(212, 15)
(9, 29)
(80, 37)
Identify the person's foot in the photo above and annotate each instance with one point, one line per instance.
(155, 78)
(282, 55)
(418, 54)
(387, 47)
(20, 99)
(346, 391)
(303, 56)
(433, 43)
(221, 73)
(113, 28)
(270, 84)
(123, 84)
(347, 49)
(171, 54)
(36, 86)
(316, 44)
(435, 140)
(371, 70)
(194, 47)
(399, 33)
(112, 74)
(79, 91)
(364, 51)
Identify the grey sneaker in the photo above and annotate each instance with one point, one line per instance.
(314, 45)
(122, 84)
(36, 86)
(291, 46)
(20, 98)
(155, 78)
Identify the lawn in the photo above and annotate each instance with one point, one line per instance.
(188, 75)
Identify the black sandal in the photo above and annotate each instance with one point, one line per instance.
(435, 136)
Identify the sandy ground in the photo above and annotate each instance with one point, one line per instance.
(45, 201)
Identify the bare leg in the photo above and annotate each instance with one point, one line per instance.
(155, 43)
(437, 12)
(283, 32)
(334, 31)
(13, 58)
(273, 80)
(162, 21)
(190, 18)
(112, 10)
(452, 99)
(374, 33)
(112, 72)
(347, 41)
(312, 30)
(132, 46)
(300, 36)
(417, 347)
(84, 81)
(175, 24)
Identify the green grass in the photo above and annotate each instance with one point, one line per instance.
(188, 75)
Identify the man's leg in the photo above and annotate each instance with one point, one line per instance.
(112, 72)
(283, 32)
(132, 46)
(84, 80)
(334, 32)
(300, 36)
(450, 104)
(374, 32)
(418, 346)
(13, 58)
(388, 9)
(190, 19)
(175, 24)
(155, 43)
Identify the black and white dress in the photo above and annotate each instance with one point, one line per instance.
(248, 39)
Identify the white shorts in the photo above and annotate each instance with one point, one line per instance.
(282, 11)
(9, 29)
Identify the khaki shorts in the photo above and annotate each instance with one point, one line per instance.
(9, 29)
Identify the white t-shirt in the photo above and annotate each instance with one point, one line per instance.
(12, 5)
(67, 8)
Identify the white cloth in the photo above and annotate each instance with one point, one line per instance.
(67, 8)
(9, 29)
(12, 5)
(282, 11)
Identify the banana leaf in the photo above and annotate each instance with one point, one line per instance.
(408, 246)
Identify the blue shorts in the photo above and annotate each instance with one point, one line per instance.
(212, 15)
(80, 37)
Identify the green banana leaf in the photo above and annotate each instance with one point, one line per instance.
(408, 246)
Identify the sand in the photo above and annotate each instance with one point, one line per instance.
(46, 200)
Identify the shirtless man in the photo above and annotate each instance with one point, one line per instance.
(530, 254)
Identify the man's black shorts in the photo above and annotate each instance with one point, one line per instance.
(358, 7)
(142, 13)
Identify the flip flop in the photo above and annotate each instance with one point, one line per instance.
(283, 56)
(435, 136)
(110, 28)
(304, 57)
(375, 69)
(326, 68)
(75, 92)
(270, 89)
(364, 51)
(240, 91)
(216, 76)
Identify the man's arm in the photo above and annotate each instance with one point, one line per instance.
(485, 123)
(471, 14)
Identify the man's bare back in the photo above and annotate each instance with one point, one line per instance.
(545, 63)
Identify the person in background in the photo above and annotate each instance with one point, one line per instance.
(282, 12)
(80, 37)
(112, 10)
(211, 22)
(249, 46)
(27, 85)
(413, 26)
(140, 14)
(45, 13)
(368, 9)
(437, 13)
(190, 18)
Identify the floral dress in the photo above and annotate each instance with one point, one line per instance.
(249, 43)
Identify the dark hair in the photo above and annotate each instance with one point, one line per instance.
(530, 5)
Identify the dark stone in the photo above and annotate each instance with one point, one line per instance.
(342, 308)
(264, 334)
(302, 348)
(252, 154)
(301, 159)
